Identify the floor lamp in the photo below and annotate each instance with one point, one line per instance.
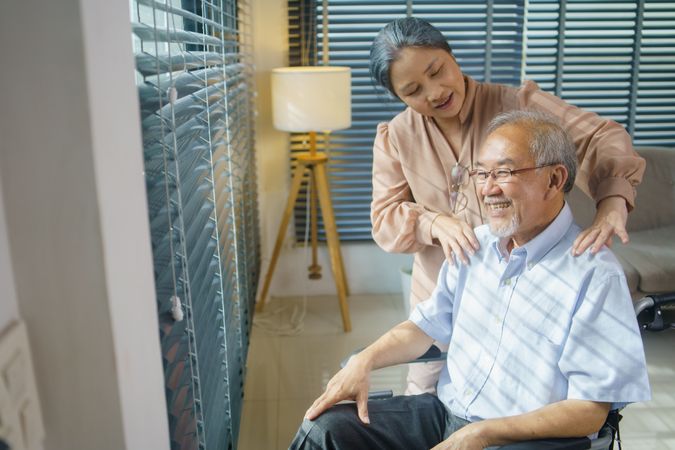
(308, 99)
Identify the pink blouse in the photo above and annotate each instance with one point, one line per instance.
(412, 160)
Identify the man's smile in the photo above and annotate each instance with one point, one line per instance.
(497, 203)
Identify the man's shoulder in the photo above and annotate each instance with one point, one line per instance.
(602, 264)
(483, 234)
(486, 241)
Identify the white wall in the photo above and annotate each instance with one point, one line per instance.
(368, 268)
(123, 214)
(9, 308)
(74, 203)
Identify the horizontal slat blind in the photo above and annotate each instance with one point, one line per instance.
(653, 121)
(301, 32)
(614, 58)
(486, 39)
(194, 81)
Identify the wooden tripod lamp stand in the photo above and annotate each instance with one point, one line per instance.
(308, 99)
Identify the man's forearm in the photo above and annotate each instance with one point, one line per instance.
(567, 418)
(403, 343)
(400, 344)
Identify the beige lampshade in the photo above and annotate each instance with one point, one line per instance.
(316, 98)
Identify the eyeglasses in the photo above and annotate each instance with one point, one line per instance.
(459, 176)
(502, 175)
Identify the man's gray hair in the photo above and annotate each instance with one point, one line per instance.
(394, 37)
(549, 142)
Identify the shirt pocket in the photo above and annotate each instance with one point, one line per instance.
(541, 318)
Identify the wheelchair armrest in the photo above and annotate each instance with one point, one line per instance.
(602, 442)
(433, 354)
(379, 395)
(582, 443)
(649, 313)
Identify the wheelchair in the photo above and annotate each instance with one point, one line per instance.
(603, 441)
(650, 314)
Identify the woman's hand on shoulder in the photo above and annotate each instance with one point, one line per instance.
(455, 236)
(610, 219)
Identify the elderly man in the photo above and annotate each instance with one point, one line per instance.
(541, 344)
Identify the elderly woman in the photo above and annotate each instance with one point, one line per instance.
(423, 201)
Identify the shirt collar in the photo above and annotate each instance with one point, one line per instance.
(542, 243)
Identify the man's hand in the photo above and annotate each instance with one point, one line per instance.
(403, 343)
(350, 383)
(455, 236)
(466, 438)
(610, 219)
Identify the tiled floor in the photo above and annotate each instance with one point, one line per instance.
(286, 373)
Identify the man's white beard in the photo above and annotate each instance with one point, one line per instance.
(507, 230)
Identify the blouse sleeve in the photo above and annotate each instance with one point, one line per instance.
(399, 224)
(608, 165)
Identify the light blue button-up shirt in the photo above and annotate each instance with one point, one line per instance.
(534, 327)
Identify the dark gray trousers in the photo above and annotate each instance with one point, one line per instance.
(405, 422)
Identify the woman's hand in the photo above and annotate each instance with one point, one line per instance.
(350, 383)
(455, 236)
(466, 438)
(610, 220)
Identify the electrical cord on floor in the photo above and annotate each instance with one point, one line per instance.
(270, 319)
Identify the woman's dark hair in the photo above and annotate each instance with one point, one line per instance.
(394, 37)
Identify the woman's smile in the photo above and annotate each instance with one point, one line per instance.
(446, 104)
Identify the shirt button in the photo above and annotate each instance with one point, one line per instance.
(507, 282)
(468, 392)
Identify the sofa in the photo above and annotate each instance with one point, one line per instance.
(649, 258)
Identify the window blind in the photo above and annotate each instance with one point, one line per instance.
(486, 38)
(614, 58)
(652, 120)
(194, 76)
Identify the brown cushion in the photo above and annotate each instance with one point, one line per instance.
(655, 201)
(650, 253)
